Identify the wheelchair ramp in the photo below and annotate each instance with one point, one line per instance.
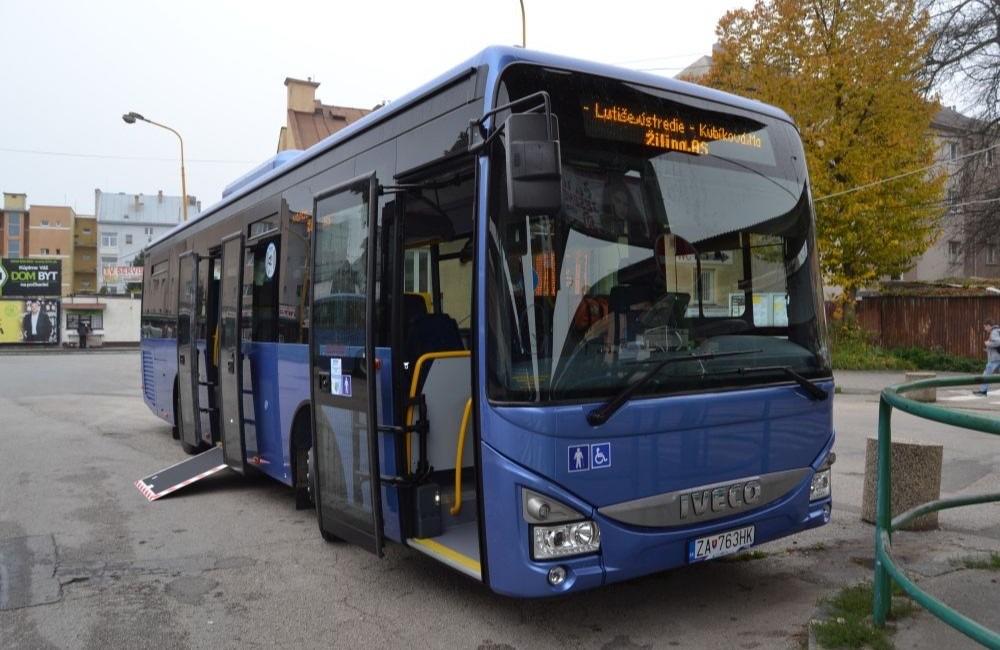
(184, 473)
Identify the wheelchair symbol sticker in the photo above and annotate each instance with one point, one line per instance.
(600, 455)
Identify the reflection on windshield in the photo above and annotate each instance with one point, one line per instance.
(655, 254)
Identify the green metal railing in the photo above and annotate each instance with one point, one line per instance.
(885, 524)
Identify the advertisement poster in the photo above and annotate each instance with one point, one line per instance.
(30, 277)
(32, 321)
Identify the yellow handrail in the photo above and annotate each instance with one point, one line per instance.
(415, 381)
(457, 506)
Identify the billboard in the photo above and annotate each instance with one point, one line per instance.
(34, 320)
(30, 277)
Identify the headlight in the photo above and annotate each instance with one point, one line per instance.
(565, 539)
(820, 486)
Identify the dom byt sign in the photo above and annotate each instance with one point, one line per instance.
(30, 277)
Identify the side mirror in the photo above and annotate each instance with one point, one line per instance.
(534, 167)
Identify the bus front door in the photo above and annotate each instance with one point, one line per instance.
(230, 357)
(188, 415)
(342, 365)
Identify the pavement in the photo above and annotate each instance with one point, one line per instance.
(87, 562)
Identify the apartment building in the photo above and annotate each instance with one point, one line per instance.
(126, 223)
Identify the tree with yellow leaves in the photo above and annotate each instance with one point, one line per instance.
(849, 72)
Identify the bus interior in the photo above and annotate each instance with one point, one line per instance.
(434, 333)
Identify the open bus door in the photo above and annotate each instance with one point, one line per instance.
(342, 364)
(188, 414)
(230, 354)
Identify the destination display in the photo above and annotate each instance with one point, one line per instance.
(30, 277)
(676, 127)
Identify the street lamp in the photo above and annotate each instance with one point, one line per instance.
(130, 118)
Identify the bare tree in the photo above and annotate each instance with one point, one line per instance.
(964, 63)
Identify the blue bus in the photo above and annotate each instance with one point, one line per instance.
(552, 323)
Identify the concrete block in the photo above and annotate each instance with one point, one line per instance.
(916, 479)
(924, 394)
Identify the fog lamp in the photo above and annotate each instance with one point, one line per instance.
(565, 539)
(820, 486)
(557, 575)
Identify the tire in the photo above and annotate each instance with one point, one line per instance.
(176, 431)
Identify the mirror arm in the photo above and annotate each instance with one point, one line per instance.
(544, 104)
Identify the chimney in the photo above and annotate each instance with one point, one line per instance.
(159, 196)
(301, 94)
(137, 202)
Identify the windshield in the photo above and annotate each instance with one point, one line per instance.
(686, 228)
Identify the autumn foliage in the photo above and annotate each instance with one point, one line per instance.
(849, 73)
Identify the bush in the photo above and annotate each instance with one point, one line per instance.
(855, 349)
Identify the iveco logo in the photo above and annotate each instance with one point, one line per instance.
(737, 496)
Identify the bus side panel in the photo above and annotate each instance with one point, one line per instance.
(159, 368)
(293, 391)
(271, 454)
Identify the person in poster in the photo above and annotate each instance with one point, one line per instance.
(36, 326)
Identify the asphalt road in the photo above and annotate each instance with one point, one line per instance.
(87, 562)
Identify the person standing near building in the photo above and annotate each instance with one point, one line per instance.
(992, 353)
(36, 326)
(81, 332)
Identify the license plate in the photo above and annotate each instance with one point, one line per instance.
(719, 544)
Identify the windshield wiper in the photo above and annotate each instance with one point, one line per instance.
(602, 413)
(814, 391)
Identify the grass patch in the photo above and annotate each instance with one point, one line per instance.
(991, 563)
(854, 349)
(849, 624)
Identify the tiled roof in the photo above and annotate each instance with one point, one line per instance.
(310, 128)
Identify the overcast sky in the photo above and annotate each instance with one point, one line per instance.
(214, 71)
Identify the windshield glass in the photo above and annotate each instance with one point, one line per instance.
(686, 228)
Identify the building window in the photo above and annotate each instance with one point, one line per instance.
(45, 222)
(953, 150)
(128, 238)
(954, 252)
(86, 231)
(109, 240)
(86, 256)
(58, 252)
(45, 251)
(990, 155)
(992, 253)
(704, 290)
(94, 319)
(14, 248)
(13, 224)
(148, 231)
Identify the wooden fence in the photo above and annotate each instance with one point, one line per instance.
(953, 324)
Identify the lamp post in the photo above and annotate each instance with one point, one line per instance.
(130, 118)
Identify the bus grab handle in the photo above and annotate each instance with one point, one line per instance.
(456, 507)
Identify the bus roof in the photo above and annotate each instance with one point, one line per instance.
(496, 58)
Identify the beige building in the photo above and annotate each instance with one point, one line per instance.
(85, 254)
(308, 120)
(51, 237)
